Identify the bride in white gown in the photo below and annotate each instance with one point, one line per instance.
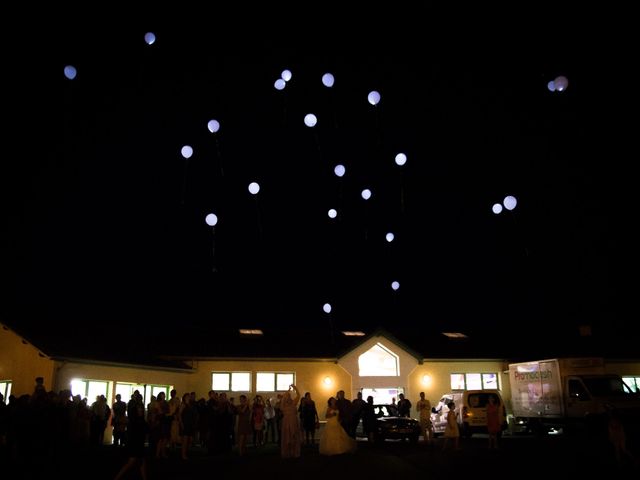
(334, 440)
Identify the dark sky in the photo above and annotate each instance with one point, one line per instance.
(104, 230)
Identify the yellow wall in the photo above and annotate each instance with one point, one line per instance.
(21, 363)
(623, 368)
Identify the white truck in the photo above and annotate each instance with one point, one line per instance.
(568, 394)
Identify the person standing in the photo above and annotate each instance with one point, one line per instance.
(424, 413)
(290, 435)
(119, 421)
(451, 431)
(404, 406)
(494, 421)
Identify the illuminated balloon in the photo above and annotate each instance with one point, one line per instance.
(497, 208)
(150, 38)
(366, 194)
(374, 97)
(254, 188)
(328, 80)
(401, 159)
(339, 170)
(333, 213)
(286, 75)
(280, 84)
(70, 72)
(310, 120)
(390, 236)
(551, 86)
(510, 202)
(213, 126)
(395, 285)
(327, 308)
(211, 219)
(561, 83)
(186, 151)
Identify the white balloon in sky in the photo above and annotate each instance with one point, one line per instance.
(328, 80)
(211, 219)
(213, 126)
(497, 208)
(70, 72)
(327, 308)
(395, 285)
(310, 120)
(333, 213)
(373, 97)
(280, 84)
(286, 75)
(390, 236)
(401, 159)
(551, 86)
(366, 194)
(510, 202)
(339, 170)
(254, 188)
(561, 83)
(150, 38)
(186, 151)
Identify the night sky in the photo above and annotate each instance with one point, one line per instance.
(106, 219)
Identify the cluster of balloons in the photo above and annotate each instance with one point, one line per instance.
(560, 84)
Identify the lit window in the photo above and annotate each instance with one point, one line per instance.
(490, 381)
(353, 334)
(89, 389)
(474, 381)
(378, 361)
(247, 331)
(274, 382)
(457, 381)
(231, 381)
(454, 335)
(5, 389)
(125, 390)
(633, 383)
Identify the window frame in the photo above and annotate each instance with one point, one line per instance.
(230, 375)
(275, 380)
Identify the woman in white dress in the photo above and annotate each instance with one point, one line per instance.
(334, 439)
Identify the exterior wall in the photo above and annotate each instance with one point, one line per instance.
(21, 363)
(309, 377)
(628, 368)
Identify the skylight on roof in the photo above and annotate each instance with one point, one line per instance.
(246, 331)
(353, 334)
(454, 335)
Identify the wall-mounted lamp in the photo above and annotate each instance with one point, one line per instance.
(426, 380)
(327, 381)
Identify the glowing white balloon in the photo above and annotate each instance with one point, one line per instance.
(366, 194)
(333, 213)
(286, 75)
(395, 285)
(551, 86)
(561, 83)
(211, 219)
(310, 120)
(327, 308)
(401, 159)
(328, 80)
(70, 72)
(280, 84)
(213, 126)
(510, 202)
(389, 236)
(254, 188)
(374, 97)
(186, 151)
(497, 208)
(150, 38)
(339, 170)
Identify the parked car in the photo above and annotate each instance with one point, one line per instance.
(474, 411)
(440, 411)
(391, 426)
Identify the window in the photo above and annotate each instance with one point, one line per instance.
(5, 389)
(125, 390)
(274, 382)
(633, 383)
(89, 389)
(231, 381)
(474, 381)
(378, 361)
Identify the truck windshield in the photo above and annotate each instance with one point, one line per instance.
(604, 386)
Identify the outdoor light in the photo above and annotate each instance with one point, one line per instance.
(389, 236)
(339, 170)
(333, 213)
(150, 38)
(286, 75)
(497, 208)
(254, 188)
(280, 84)
(373, 97)
(70, 72)
(211, 219)
(401, 159)
(561, 83)
(510, 202)
(310, 120)
(186, 151)
(213, 126)
(327, 381)
(327, 308)
(395, 285)
(551, 86)
(426, 380)
(328, 80)
(366, 194)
